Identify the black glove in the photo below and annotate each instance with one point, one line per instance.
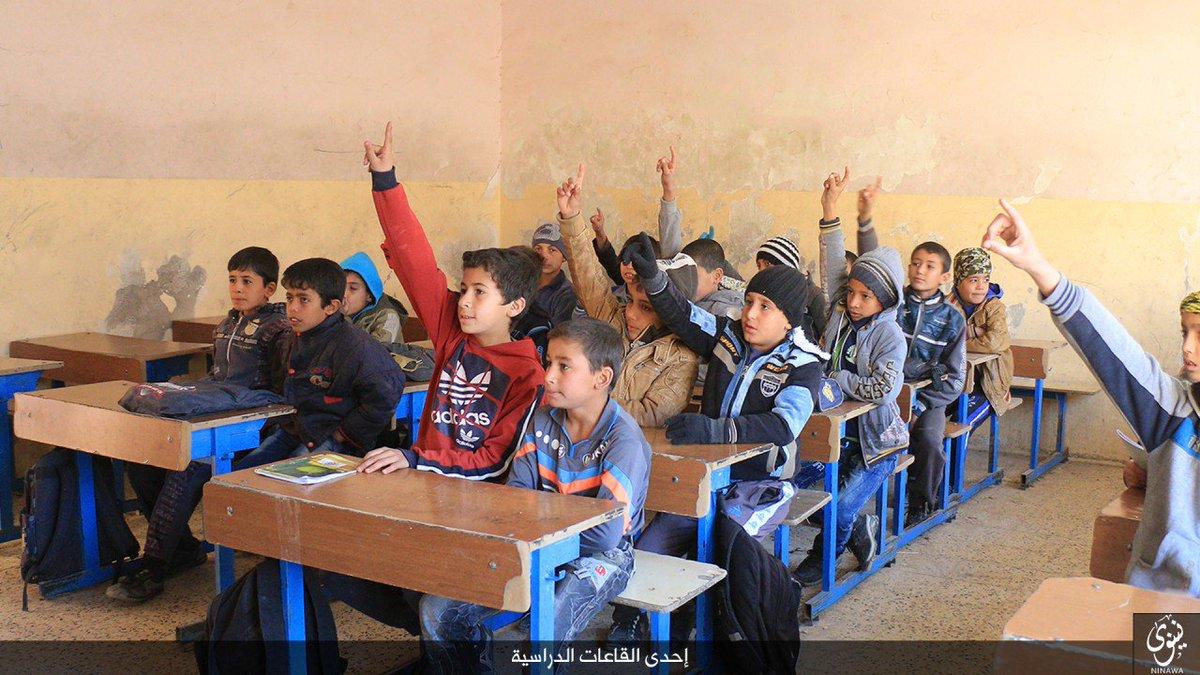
(694, 428)
(640, 254)
(938, 372)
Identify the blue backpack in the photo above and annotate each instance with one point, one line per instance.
(50, 521)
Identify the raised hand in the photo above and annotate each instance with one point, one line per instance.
(597, 222)
(379, 157)
(834, 186)
(666, 170)
(570, 194)
(1009, 237)
(866, 199)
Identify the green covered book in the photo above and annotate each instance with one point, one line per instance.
(311, 469)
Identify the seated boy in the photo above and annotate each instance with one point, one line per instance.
(554, 301)
(1160, 408)
(247, 349)
(367, 306)
(987, 326)
(609, 459)
(656, 382)
(486, 383)
(867, 352)
(781, 251)
(936, 334)
(343, 385)
(762, 385)
(711, 296)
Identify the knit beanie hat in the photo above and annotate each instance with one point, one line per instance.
(779, 251)
(548, 233)
(787, 288)
(969, 262)
(870, 272)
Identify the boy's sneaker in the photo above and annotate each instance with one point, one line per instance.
(864, 543)
(135, 588)
(917, 515)
(808, 572)
(629, 631)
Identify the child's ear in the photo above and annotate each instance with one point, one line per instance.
(718, 275)
(515, 308)
(945, 278)
(333, 307)
(604, 377)
(271, 289)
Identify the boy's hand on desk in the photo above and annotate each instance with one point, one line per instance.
(693, 428)
(570, 194)
(834, 186)
(384, 460)
(379, 158)
(666, 170)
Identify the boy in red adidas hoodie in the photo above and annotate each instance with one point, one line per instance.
(486, 383)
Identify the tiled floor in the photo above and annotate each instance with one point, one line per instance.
(961, 582)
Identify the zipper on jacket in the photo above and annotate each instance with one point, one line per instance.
(916, 328)
(736, 383)
(229, 345)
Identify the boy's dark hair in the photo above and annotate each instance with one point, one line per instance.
(600, 342)
(653, 244)
(708, 254)
(322, 275)
(257, 260)
(936, 249)
(851, 256)
(514, 269)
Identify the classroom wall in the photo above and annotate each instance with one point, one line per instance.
(143, 143)
(1085, 115)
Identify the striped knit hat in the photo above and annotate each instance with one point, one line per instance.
(779, 251)
(871, 271)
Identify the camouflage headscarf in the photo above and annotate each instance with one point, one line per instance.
(1191, 303)
(969, 262)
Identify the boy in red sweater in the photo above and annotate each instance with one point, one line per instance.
(486, 383)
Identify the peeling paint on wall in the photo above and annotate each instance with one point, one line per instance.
(145, 309)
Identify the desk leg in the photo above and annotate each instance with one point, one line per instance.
(994, 442)
(543, 563)
(1036, 436)
(9, 386)
(960, 446)
(1036, 467)
(1062, 422)
(223, 463)
(92, 573)
(291, 581)
(705, 544)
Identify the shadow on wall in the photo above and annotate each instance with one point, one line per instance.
(140, 308)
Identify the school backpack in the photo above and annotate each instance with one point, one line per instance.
(244, 630)
(757, 606)
(50, 521)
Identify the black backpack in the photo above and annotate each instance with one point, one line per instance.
(50, 521)
(243, 632)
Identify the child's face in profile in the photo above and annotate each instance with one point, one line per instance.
(570, 380)
(357, 296)
(1189, 325)
(481, 306)
(974, 289)
(552, 258)
(763, 324)
(247, 292)
(925, 272)
(304, 310)
(639, 313)
(861, 303)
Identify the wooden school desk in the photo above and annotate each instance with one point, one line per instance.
(1112, 535)
(16, 376)
(90, 419)
(1089, 621)
(99, 357)
(477, 542)
(1031, 359)
(199, 329)
(685, 480)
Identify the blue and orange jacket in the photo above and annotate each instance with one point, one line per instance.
(613, 464)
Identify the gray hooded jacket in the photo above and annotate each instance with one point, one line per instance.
(881, 349)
